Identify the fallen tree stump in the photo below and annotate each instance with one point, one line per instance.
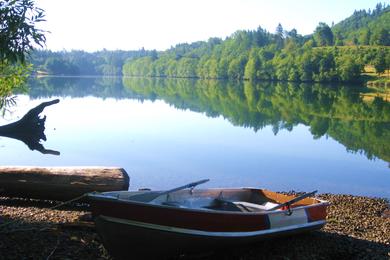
(30, 129)
(60, 183)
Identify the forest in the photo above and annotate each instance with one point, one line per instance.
(331, 54)
(78, 62)
(337, 53)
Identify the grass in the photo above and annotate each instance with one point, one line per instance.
(378, 84)
(375, 79)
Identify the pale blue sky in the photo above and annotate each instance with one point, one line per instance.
(158, 24)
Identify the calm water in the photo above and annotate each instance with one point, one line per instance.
(170, 132)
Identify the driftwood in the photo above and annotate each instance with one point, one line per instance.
(30, 129)
(60, 183)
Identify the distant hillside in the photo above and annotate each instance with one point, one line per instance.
(75, 62)
(252, 55)
(365, 28)
(282, 55)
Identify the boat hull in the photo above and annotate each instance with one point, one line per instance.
(155, 229)
(126, 239)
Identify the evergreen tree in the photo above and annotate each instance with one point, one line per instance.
(323, 35)
(279, 36)
(380, 62)
(381, 37)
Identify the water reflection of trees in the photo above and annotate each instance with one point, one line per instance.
(338, 112)
(103, 87)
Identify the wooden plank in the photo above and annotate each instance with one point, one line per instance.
(60, 183)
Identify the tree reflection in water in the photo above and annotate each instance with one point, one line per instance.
(340, 112)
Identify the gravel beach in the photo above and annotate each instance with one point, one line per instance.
(357, 228)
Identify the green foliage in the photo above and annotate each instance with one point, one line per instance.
(58, 66)
(323, 35)
(291, 63)
(251, 55)
(285, 56)
(18, 29)
(18, 36)
(104, 62)
(348, 68)
(365, 28)
(381, 37)
(12, 77)
(252, 66)
(237, 67)
(380, 63)
(279, 36)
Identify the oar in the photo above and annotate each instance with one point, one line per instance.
(294, 200)
(149, 196)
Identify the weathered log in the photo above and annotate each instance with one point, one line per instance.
(60, 183)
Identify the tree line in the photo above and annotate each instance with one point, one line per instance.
(364, 27)
(78, 62)
(283, 55)
(241, 58)
(252, 55)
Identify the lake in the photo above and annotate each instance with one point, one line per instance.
(168, 132)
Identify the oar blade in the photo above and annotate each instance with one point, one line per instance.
(294, 200)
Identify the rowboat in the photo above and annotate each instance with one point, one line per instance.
(184, 220)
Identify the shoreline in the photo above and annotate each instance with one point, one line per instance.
(357, 228)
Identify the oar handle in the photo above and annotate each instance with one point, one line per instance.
(189, 185)
(294, 200)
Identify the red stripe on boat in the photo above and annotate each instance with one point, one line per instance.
(175, 217)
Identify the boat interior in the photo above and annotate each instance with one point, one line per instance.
(242, 199)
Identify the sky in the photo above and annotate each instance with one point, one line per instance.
(93, 25)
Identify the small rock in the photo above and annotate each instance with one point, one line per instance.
(386, 213)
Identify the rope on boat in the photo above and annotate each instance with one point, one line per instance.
(40, 212)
